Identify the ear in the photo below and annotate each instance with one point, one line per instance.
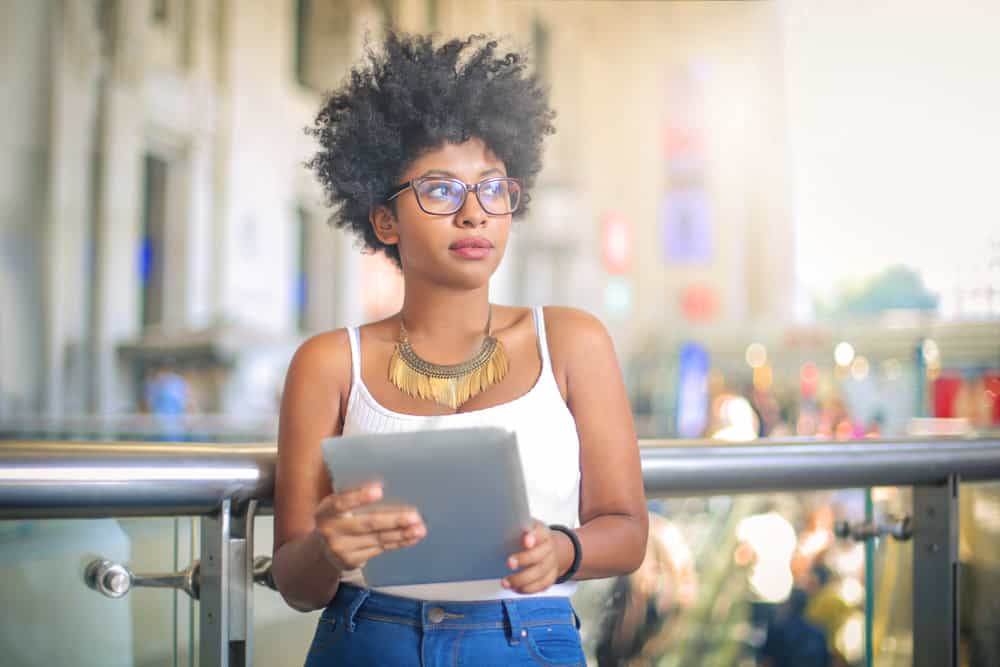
(383, 222)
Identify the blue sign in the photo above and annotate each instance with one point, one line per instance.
(692, 391)
(685, 223)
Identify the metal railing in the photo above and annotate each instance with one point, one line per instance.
(227, 485)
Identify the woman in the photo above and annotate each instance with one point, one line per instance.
(427, 152)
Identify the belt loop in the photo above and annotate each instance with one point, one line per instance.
(353, 607)
(513, 622)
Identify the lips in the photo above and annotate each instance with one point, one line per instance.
(472, 248)
(474, 242)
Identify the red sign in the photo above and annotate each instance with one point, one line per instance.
(991, 384)
(699, 303)
(945, 390)
(616, 244)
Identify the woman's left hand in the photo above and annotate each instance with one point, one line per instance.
(538, 563)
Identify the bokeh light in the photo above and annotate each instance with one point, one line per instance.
(843, 354)
(756, 355)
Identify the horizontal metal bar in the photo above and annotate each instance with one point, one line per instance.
(114, 479)
(87, 479)
(684, 470)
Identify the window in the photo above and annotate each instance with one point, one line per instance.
(300, 270)
(161, 11)
(323, 42)
(151, 243)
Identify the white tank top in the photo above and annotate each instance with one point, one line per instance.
(547, 440)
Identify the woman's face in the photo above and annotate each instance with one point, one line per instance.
(462, 249)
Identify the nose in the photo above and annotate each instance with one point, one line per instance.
(472, 213)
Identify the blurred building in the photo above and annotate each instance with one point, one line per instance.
(156, 213)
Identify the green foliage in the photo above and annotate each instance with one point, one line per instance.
(898, 287)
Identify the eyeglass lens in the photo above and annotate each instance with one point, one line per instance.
(497, 196)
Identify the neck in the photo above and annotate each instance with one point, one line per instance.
(444, 315)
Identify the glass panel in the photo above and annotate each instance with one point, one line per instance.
(281, 635)
(979, 587)
(713, 591)
(52, 618)
(892, 597)
(732, 581)
(979, 607)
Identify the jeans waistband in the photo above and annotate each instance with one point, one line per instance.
(353, 602)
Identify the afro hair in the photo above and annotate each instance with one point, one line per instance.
(412, 97)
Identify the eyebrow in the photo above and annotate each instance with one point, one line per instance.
(442, 172)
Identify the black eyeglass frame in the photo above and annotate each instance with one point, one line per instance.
(469, 187)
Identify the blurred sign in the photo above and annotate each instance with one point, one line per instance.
(686, 226)
(945, 391)
(692, 391)
(699, 304)
(684, 216)
(616, 244)
(991, 385)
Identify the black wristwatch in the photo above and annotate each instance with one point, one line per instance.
(577, 553)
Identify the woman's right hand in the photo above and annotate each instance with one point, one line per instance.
(352, 538)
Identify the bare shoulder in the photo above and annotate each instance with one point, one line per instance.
(323, 360)
(572, 327)
(575, 335)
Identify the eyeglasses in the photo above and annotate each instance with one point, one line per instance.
(444, 196)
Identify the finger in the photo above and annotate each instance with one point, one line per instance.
(402, 544)
(351, 499)
(535, 536)
(537, 586)
(387, 537)
(532, 579)
(355, 553)
(528, 558)
(345, 541)
(375, 522)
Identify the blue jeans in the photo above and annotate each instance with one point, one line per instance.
(361, 627)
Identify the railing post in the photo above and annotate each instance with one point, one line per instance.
(935, 575)
(226, 613)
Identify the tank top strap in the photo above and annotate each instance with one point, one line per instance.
(354, 336)
(543, 344)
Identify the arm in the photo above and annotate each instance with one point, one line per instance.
(310, 411)
(316, 537)
(614, 523)
(613, 518)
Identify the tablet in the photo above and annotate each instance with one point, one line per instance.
(468, 486)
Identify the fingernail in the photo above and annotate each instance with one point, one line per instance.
(513, 563)
(505, 583)
(375, 492)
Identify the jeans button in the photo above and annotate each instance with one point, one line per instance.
(435, 614)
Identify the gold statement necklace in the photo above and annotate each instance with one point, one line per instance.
(450, 385)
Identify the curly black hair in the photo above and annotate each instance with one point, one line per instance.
(412, 97)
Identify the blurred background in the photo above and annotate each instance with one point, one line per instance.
(785, 212)
(735, 188)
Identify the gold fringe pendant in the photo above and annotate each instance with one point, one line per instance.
(450, 385)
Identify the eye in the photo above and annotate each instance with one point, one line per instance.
(439, 190)
(494, 188)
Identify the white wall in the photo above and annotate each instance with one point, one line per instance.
(893, 111)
